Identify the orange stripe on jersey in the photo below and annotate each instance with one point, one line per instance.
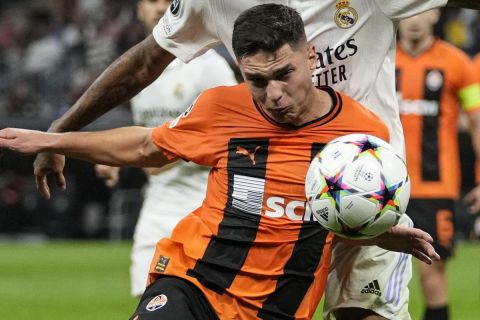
(253, 247)
(428, 87)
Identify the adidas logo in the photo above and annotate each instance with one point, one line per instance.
(323, 213)
(324, 216)
(373, 288)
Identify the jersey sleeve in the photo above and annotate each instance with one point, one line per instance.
(468, 87)
(186, 30)
(191, 136)
(401, 9)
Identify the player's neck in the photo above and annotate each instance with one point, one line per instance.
(417, 47)
(319, 104)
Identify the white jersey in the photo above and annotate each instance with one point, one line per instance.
(354, 40)
(175, 192)
(171, 94)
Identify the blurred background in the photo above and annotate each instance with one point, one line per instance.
(50, 51)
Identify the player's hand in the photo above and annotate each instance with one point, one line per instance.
(30, 142)
(409, 240)
(402, 239)
(49, 164)
(20, 140)
(472, 200)
(109, 175)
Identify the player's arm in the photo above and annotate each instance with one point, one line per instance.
(468, 95)
(128, 146)
(402, 239)
(472, 199)
(124, 78)
(467, 4)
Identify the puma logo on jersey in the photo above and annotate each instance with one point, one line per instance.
(245, 152)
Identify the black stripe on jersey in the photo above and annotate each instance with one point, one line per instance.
(430, 137)
(228, 249)
(316, 148)
(298, 274)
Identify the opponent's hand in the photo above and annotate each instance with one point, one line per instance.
(402, 239)
(409, 240)
(109, 175)
(472, 200)
(44, 165)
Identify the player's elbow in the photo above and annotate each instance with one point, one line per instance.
(149, 155)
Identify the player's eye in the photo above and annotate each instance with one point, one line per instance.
(284, 74)
(258, 82)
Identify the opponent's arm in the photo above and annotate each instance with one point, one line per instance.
(467, 4)
(128, 146)
(123, 79)
(402, 239)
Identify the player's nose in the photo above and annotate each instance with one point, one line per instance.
(274, 90)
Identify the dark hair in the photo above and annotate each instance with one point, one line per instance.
(266, 27)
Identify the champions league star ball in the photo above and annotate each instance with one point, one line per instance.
(357, 186)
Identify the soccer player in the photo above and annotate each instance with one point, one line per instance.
(166, 98)
(434, 80)
(355, 48)
(252, 250)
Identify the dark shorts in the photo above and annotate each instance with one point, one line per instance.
(171, 298)
(435, 216)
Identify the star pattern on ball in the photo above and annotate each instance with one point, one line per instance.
(336, 188)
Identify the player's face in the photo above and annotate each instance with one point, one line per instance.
(419, 27)
(150, 11)
(281, 82)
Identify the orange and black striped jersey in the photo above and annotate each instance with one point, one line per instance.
(253, 246)
(431, 87)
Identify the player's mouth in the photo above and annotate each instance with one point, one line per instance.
(280, 112)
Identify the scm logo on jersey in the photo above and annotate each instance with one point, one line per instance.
(277, 207)
(345, 16)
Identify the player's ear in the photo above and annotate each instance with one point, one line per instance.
(312, 56)
(435, 15)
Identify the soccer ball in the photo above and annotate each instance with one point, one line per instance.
(357, 186)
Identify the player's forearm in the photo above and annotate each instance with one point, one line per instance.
(475, 133)
(122, 80)
(129, 146)
(467, 4)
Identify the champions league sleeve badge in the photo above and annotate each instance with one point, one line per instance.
(345, 16)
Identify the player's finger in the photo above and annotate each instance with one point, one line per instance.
(420, 234)
(428, 250)
(469, 197)
(60, 179)
(42, 186)
(474, 208)
(421, 256)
